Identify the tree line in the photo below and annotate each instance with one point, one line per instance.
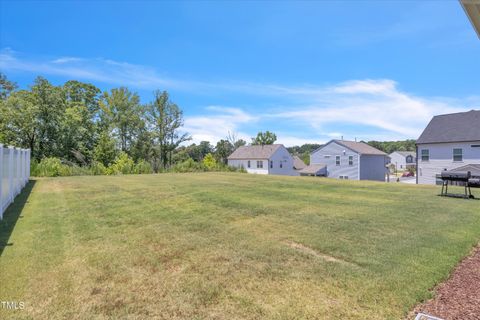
(80, 125)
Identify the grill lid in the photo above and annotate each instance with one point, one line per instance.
(456, 175)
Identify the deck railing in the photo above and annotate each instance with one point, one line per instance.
(14, 174)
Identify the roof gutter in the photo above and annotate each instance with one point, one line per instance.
(472, 10)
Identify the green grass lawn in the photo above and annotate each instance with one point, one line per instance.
(228, 246)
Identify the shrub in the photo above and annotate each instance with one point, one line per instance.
(123, 164)
(48, 167)
(209, 161)
(188, 165)
(97, 169)
(143, 167)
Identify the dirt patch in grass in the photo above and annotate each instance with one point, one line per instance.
(302, 248)
(459, 296)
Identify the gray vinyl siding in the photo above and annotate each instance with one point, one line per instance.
(327, 155)
(372, 167)
(441, 158)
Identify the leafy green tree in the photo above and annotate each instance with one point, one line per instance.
(222, 150)
(6, 86)
(264, 138)
(50, 101)
(165, 119)
(198, 152)
(105, 151)
(19, 115)
(122, 114)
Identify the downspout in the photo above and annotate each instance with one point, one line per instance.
(359, 155)
(416, 163)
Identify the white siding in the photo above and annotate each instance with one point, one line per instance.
(253, 165)
(398, 160)
(282, 156)
(327, 155)
(441, 158)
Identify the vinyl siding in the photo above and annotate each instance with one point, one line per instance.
(400, 161)
(372, 167)
(253, 165)
(281, 155)
(441, 158)
(333, 171)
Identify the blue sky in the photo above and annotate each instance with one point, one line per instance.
(308, 71)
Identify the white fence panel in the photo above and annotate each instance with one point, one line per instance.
(14, 174)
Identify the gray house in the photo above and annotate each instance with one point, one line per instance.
(343, 159)
(448, 142)
(403, 160)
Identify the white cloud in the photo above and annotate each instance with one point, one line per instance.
(366, 109)
(97, 69)
(217, 124)
(377, 104)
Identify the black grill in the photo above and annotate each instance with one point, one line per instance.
(474, 182)
(456, 175)
(459, 176)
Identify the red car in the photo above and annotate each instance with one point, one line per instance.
(407, 174)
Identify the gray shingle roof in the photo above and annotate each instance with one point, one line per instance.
(473, 168)
(406, 153)
(255, 152)
(298, 163)
(360, 147)
(453, 127)
(313, 168)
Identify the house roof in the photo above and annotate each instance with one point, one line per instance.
(405, 153)
(453, 127)
(472, 9)
(298, 163)
(473, 168)
(360, 147)
(255, 152)
(313, 168)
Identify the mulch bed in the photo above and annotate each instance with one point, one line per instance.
(459, 296)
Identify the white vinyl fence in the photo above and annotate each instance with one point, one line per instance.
(14, 174)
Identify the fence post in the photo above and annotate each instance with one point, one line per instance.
(10, 174)
(2, 165)
(24, 166)
(17, 173)
(28, 163)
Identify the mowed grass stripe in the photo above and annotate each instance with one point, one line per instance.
(219, 246)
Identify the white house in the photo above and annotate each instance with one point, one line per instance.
(448, 142)
(343, 159)
(403, 160)
(263, 159)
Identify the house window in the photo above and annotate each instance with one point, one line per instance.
(475, 145)
(337, 160)
(425, 155)
(281, 164)
(350, 160)
(457, 154)
(409, 159)
(248, 164)
(271, 164)
(260, 164)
